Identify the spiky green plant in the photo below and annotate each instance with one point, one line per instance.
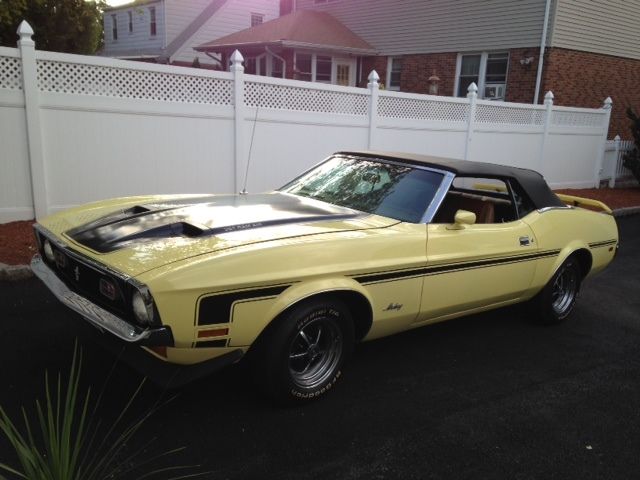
(69, 447)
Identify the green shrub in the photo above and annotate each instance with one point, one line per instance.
(632, 158)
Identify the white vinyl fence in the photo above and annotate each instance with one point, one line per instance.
(612, 167)
(74, 129)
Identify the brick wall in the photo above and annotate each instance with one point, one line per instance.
(416, 70)
(379, 64)
(583, 79)
(521, 79)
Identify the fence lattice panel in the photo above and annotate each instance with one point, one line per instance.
(577, 119)
(10, 73)
(285, 97)
(508, 115)
(83, 79)
(413, 108)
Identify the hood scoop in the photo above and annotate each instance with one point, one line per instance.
(199, 217)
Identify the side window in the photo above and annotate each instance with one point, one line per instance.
(488, 198)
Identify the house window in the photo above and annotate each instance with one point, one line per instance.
(313, 67)
(114, 27)
(256, 19)
(130, 21)
(277, 67)
(152, 24)
(487, 70)
(394, 70)
(265, 65)
(303, 67)
(323, 69)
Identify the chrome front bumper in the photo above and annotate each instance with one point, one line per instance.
(97, 316)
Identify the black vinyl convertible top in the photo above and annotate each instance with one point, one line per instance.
(531, 181)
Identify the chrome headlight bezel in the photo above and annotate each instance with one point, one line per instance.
(142, 305)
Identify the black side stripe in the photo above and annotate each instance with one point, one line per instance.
(453, 267)
(217, 308)
(602, 244)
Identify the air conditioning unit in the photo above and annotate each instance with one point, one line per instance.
(494, 91)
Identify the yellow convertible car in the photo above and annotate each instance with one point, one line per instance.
(364, 245)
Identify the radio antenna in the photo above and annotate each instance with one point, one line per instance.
(253, 133)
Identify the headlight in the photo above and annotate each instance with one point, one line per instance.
(142, 308)
(48, 251)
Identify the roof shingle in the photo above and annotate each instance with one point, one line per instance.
(303, 28)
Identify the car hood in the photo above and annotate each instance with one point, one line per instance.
(156, 232)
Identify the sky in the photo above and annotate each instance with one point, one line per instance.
(115, 3)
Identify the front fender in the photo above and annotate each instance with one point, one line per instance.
(250, 319)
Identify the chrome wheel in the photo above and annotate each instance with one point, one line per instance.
(315, 352)
(564, 291)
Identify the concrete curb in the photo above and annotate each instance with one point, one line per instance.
(623, 212)
(10, 273)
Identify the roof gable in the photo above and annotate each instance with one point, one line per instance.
(305, 27)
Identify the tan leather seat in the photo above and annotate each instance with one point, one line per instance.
(484, 209)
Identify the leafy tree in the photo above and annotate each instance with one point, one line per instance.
(72, 26)
(632, 158)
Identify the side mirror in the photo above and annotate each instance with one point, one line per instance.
(462, 218)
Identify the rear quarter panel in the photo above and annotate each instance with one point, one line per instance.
(569, 230)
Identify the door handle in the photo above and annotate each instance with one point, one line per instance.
(525, 241)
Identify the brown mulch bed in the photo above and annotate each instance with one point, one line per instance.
(17, 244)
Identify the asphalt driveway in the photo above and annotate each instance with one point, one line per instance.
(487, 396)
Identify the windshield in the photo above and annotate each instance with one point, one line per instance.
(397, 191)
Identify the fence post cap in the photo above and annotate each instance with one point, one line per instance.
(236, 60)
(607, 103)
(25, 30)
(373, 78)
(617, 138)
(473, 89)
(548, 97)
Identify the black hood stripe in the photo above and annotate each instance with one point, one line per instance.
(201, 217)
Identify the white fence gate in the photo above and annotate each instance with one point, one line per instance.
(613, 165)
(75, 129)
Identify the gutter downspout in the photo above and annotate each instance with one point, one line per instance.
(543, 42)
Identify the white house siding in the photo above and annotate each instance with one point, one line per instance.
(180, 13)
(235, 15)
(433, 26)
(140, 40)
(608, 27)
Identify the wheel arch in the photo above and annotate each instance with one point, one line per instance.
(585, 260)
(580, 252)
(358, 303)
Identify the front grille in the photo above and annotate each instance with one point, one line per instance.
(85, 278)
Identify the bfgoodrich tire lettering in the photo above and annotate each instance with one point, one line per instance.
(303, 354)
